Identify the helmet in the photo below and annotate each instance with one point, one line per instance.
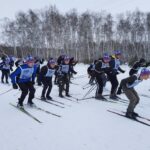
(66, 58)
(145, 71)
(51, 61)
(117, 52)
(106, 56)
(29, 59)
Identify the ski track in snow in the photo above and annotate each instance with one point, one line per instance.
(83, 126)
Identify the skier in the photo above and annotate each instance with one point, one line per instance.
(5, 67)
(12, 62)
(63, 76)
(24, 76)
(114, 71)
(38, 62)
(91, 72)
(46, 75)
(59, 61)
(128, 85)
(72, 63)
(101, 68)
(137, 65)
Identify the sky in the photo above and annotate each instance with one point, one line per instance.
(9, 8)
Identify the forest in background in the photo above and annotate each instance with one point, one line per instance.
(86, 36)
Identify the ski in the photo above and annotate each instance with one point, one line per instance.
(143, 118)
(57, 102)
(50, 103)
(6, 91)
(73, 83)
(123, 115)
(26, 112)
(81, 99)
(69, 99)
(125, 100)
(43, 110)
(105, 100)
(118, 98)
(137, 116)
(121, 101)
(144, 95)
(74, 98)
(140, 117)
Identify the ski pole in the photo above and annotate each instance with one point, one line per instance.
(6, 91)
(89, 91)
(86, 98)
(85, 85)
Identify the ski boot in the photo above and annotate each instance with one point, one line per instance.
(31, 104)
(135, 114)
(100, 97)
(43, 98)
(130, 115)
(113, 97)
(20, 105)
(48, 97)
(68, 95)
(60, 95)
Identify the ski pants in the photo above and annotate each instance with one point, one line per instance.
(47, 86)
(5, 73)
(25, 88)
(100, 81)
(62, 82)
(114, 83)
(133, 98)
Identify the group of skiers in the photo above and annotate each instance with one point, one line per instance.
(107, 68)
(101, 71)
(29, 69)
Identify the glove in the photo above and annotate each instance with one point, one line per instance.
(39, 84)
(114, 72)
(15, 86)
(33, 82)
(119, 91)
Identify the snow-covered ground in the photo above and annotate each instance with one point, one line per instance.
(86, 125)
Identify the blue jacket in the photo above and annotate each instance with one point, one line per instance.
(115, 66)
(23, 74)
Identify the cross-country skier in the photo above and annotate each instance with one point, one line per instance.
(63, 76)
(128, 85)
(91, 72)
(59, 61)
(134, 70)
(46, 75)
(5, 67)
(137, 65)
(114, 71)
(38, 62)
(72, 63)
(101, 68)
(24, 77)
